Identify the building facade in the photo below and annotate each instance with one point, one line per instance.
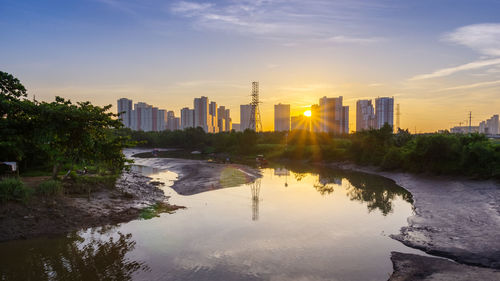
(384, 112)
(125, 111)
(245, 113)
(281, 117)
(365, 115)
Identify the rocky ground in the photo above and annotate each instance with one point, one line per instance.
(63, 214)
(454, 218)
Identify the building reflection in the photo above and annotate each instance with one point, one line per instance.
(73, 258)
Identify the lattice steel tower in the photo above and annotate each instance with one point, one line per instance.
(255, 121)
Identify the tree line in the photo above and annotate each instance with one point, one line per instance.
(472, 155)
(56, 134)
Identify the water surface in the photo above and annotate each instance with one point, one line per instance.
(293, 224)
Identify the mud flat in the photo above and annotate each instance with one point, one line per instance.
(409, 267)
(64, 214)
(196, 176)
(454, 218)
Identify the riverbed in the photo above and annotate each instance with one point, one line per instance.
(298, 223)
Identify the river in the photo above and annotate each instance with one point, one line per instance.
(298, 223)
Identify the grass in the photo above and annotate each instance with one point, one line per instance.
(232, 177)
(155, 210)
(13, 189)
(50, 188)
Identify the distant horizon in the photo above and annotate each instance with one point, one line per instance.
(440, 60)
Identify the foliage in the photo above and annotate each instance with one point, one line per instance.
(50, 188)
(54, 134)
(13, 189)
(155, 210)
(452, 154)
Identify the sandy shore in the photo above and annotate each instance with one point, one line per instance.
(64, 214)
(454, 218)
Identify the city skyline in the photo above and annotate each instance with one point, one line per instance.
(440, 60)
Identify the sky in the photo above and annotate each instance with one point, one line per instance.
(440, 59)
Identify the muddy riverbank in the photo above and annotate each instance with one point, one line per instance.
(454, 218)
(196, 176)
(63, 214)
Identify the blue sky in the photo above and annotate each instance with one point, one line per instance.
(438, 58)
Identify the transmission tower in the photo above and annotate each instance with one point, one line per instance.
(398, 113)
(255, 122)
(255, 187)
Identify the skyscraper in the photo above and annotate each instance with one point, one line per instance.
(281, 117)
(125, 111)
(365, 115)
(345, 120)
(187, 118)
(245, 113)
(223, 119)
(212, 118)
(384, 112)
(201, 113)
(332, 115)
(315, 118)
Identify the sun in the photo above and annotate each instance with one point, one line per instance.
(307, 113)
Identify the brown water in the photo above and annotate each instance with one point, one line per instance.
(293, 224)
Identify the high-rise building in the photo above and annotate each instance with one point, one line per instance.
(212, 118)
(331, 115)
(315, 119)
(365, 115)
(345, 120)
(142, 117)
(201, 113)
(300, 122)
(161, 126)
(187, 118)
(384, 112)
(125, 111)
(281, 117)
(490, 126)
(172, 122)
(245, 113)
(223, 119)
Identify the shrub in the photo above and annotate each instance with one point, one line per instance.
(13, 189)
(392, 159)
(50, 188)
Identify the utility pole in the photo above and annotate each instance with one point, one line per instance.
(470, 122)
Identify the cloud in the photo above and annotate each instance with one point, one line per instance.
(348, 39)
(484, 38)
(190, 8)
(282, 20)
(471, 86)
(452, 70)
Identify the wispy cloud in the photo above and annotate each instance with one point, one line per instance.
(452, 70)
(317, 20)
(472, 86)
(482, 38)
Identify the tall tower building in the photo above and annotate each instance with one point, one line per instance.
(245, 113)
(125, 111)
(365, 115)
(223, 119)
(201, 113)
(384, 111)
(187, 118)
(331, 115)
(212, 118)
(344, 120)
(281, 117)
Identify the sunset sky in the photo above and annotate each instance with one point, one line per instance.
(440, 59)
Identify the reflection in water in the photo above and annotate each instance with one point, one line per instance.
(378, 192)
(255, 187)
(74, 257)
